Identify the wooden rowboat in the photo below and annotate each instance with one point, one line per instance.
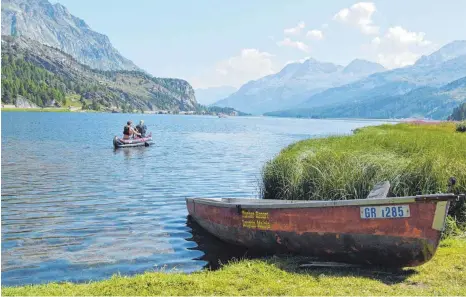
(400, 232)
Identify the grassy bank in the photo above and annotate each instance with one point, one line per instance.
(37, 109)
(415, 158)
(443, 275)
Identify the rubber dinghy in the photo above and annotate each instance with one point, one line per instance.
(133, 142)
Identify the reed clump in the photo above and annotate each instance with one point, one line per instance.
(414, 158)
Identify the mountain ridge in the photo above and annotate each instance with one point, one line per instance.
(293, 84)
(445, 65)
(424, 102)
(54, 25)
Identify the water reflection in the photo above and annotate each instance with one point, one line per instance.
(74, 211)
(129, 152)
(216, 252)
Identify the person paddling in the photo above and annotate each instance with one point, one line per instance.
(129, 131)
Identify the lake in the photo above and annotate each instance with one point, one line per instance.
(75, 209)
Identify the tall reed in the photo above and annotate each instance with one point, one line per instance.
(415, 158)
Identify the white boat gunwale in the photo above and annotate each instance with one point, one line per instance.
(275, 203)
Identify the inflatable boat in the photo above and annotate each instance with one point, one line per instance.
(121, 143)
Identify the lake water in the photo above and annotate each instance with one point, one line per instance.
(74, 209)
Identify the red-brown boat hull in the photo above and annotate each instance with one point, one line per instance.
(337, 233)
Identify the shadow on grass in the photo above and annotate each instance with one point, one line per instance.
(296, 264)
(218, 253)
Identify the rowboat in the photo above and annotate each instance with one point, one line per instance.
(121, 143)
(388, 231)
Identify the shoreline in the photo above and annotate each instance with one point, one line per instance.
(51, 109)
(54, 109)
(279, 275)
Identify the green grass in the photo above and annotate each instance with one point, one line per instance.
(37, 109)
(415, 158)
(73, 100)
(445, 274)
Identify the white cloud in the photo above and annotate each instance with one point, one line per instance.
(315, 34)
(295, 30)
(248, 65)
(402, 36)
(399, 47)
(359, 15)
(294, 44)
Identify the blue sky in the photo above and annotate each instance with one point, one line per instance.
(213, 43)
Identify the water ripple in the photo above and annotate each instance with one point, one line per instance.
(73, 209)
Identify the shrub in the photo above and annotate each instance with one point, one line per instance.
(461, 127)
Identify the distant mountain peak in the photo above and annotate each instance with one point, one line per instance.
(363, 66)
(447, 52)
(294, 83)
(310, 61)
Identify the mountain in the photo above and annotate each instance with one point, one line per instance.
(294, 84)
(47, 76)
(210, 95)
(450, 51)
(422, 102)
(434, 71)
(53, 25)
(360, 67)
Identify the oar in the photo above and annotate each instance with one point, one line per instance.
(146, 144)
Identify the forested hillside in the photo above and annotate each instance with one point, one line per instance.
(40, 86)
(47, 76)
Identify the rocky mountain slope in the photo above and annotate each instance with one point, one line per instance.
(53, 25)
(295, 83)
(55, 71)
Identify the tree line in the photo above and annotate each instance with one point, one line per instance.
(38, 85)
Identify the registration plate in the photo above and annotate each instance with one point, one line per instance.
(385, 212)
